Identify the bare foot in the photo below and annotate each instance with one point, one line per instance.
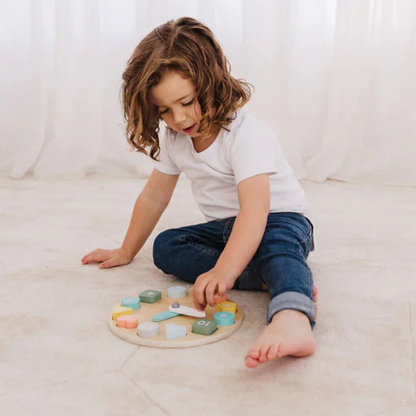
(289, 333)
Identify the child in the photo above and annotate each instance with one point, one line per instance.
(256, 231)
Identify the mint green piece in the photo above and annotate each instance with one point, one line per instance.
(150, 296)
(133, 303)
(224, 318)
(164, 315)
(204, 327)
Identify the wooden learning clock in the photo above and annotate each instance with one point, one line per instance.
(169, 320)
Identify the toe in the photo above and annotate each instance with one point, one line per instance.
(315, 294)
(254, 352)
(251, 362)
(281, 351)
(263, 353)
(271, 355)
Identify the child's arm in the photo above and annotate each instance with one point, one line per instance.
(149, 207)
(245, 238)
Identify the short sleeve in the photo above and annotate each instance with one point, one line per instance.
(165, 163)
(253, 150)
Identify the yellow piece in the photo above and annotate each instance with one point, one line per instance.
(121, 310)
(227, 307)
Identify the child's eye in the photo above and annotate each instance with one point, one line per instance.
(190, 102)
(185, 104)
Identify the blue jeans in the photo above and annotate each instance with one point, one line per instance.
(279, 262)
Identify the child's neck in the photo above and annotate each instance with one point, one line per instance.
(202, 144)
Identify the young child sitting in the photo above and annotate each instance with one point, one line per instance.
(257, 230)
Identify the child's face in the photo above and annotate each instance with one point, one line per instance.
(178, 105)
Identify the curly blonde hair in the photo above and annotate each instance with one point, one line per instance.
(188, 47)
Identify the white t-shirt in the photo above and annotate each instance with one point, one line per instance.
(250, 148)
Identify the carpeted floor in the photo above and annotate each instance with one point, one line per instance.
(57, 356)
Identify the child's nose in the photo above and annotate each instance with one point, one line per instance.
(179, 118)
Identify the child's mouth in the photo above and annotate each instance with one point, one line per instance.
(188, 130)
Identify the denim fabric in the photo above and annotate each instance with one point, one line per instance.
(279, 262)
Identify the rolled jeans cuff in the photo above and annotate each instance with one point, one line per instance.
(292, 300)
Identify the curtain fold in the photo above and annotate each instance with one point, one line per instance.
(335, 79)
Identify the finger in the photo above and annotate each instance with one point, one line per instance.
(199, 294)
(85, 258)
(97, 258)
(209, 293)
(110, 263)
(199, 298)
(194, 299)
(222, 288)
(94, 253)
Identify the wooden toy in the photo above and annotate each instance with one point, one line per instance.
(148, 310)
(218, 299)
(121, 310)
(185, 310)
(227, 307)
(177, 292)
(127, 321)
(174, 331)
(224, 318)
(164, 315)
(133, 303)
(148, 329)
(204, 327)
(150, 296)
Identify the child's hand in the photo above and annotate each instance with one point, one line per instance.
(108, 258)
(209, 284)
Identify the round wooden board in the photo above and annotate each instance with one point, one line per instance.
(148, 310)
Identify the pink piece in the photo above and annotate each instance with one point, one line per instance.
(127, 321)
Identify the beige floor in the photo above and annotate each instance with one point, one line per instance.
(57, 356)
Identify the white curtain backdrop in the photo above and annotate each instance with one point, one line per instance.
(335, 79)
